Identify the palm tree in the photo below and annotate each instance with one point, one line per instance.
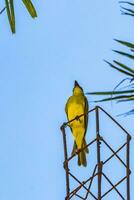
(126, 93)
(9, 7)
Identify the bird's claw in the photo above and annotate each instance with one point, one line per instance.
(76, 151)
(78, 118)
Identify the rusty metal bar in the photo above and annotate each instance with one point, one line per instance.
(98, 153)
(113, 187)
(74, 191)
(114, 153)
(92, 177)
(83, 185)
(66, 157)
(77, 117)
(128, 167)
(79, 196)
(113, 120)
(79, 187)
(99, 165)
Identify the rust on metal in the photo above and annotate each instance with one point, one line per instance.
(65, 162)
(98, 169)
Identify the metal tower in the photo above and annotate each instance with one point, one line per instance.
(98, 168)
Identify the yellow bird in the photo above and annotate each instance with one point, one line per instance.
(76, 105)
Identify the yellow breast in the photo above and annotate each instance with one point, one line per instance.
(74, 110)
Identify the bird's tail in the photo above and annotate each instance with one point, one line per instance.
(82, 159)
(82, 155)
(85, 144)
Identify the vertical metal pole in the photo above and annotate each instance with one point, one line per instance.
(65, 162)
(128, 167)
(98, 154)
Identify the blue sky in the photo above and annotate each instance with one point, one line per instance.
(68, 41)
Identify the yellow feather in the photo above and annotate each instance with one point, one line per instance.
(75, 106)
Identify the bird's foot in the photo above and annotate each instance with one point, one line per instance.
(78, 118)
(76, 151)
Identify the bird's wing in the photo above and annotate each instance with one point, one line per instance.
(66, 108)
(86, 116)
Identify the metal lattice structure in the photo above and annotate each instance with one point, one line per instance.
(98, 169)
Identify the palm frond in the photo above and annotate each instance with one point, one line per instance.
(129, 11)
(128, 86)
(111, 92)
(118, 69)
(119, 85)
(125, 100)
(124, 66)
(124, 54)
(128, 44)
(127, 2)
(125, 94)
(130, 112)
(30, 7)
(115, 98)
(126, 13)
(3, 9)
(126, 113)
(9, 7)
(10, 14)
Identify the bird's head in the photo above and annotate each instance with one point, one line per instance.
(77, 90)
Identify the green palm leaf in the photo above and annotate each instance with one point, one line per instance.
(124, 66)
(111, 92)
(115, 98)
(129, 10)
(125, 100)
(130, 112)
(120, 70)
(30, 8)
(126, 13)
(127, 113)
(2, 10)
(128, 44)
(10, 14)
(124, 54)
(127, 2)
(128, 86)
(123, 95)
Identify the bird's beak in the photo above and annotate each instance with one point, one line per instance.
(76, 84)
